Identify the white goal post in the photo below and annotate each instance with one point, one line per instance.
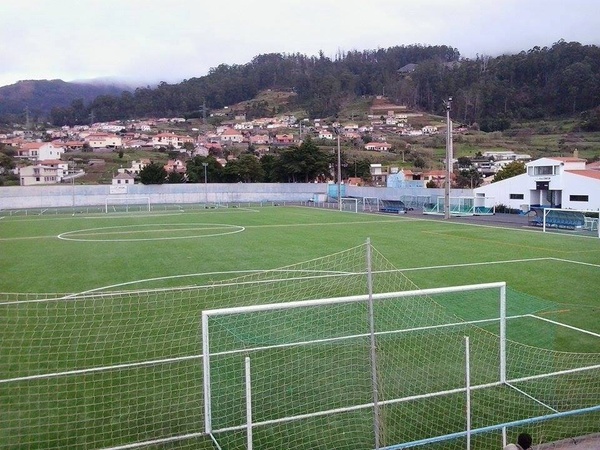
(321, 375)
(370, 204)
(349, 204)
(126, 203)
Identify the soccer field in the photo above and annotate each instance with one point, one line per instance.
(102, 344)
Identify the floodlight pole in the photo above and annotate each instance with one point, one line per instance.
(205, 186)
(339, 170)
(448, 159)
(71, 169)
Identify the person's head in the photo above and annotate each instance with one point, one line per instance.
(524, 441)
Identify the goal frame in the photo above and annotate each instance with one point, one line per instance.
(208, 314)
(127, 201)
(353, 202)
(370, 204)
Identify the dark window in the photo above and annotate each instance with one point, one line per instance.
(578, 198)
(517, 196)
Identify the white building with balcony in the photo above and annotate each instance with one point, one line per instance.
(549, 182)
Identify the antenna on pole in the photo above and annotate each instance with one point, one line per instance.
(448, 105)
(203, 108)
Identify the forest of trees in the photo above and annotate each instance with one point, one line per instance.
(491, 91)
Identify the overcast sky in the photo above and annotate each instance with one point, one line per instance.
(147, 41)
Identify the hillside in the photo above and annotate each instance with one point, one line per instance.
(490, 94)
(40, 96)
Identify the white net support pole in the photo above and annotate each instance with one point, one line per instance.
(206, 374)
(376, 420)
(248, 403)
(502, 333)
(468, 389)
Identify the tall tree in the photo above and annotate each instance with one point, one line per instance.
(153, 173)
(510, 170)
(246, 169)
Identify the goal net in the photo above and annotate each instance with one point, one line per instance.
(337, 352)
(370, 204)
(126, 204)
(383, 370)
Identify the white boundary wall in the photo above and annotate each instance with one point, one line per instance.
(65, 195)
(68, 195)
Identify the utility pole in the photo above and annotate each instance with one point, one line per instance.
(339, 169)
(448, 159)
(205, 186)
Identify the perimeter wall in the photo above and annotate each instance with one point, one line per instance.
(67, 195)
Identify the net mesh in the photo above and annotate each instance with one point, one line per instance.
(104, 370)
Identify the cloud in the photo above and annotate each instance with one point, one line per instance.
(156, 40)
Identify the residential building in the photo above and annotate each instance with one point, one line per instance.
(171, 139)
(175, 165)
(231, 135)
(61, 166)
(38, 151)
(379, 146)
(103, 140)
(326, 134)
(379, 175)
(259, 139)
(284, 139)
(429, 129)
(135, 168)
(38, 174)
(123, 178)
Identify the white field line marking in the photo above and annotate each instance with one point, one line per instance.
(28, 237)
(485, 263)
(321, 224)
(60, 236)
(576, 262)
(74, 235)
(160, 230)
(581, 330)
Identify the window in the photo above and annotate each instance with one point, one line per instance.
(578, 198)
(545, 170)
(517, 196)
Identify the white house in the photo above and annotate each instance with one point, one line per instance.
(104, 140)
(172, 139)
(39, 151)
(551, 182)
(231, 135)
(326, 134)
(135, 168)
(123, 178)
(379, 146)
